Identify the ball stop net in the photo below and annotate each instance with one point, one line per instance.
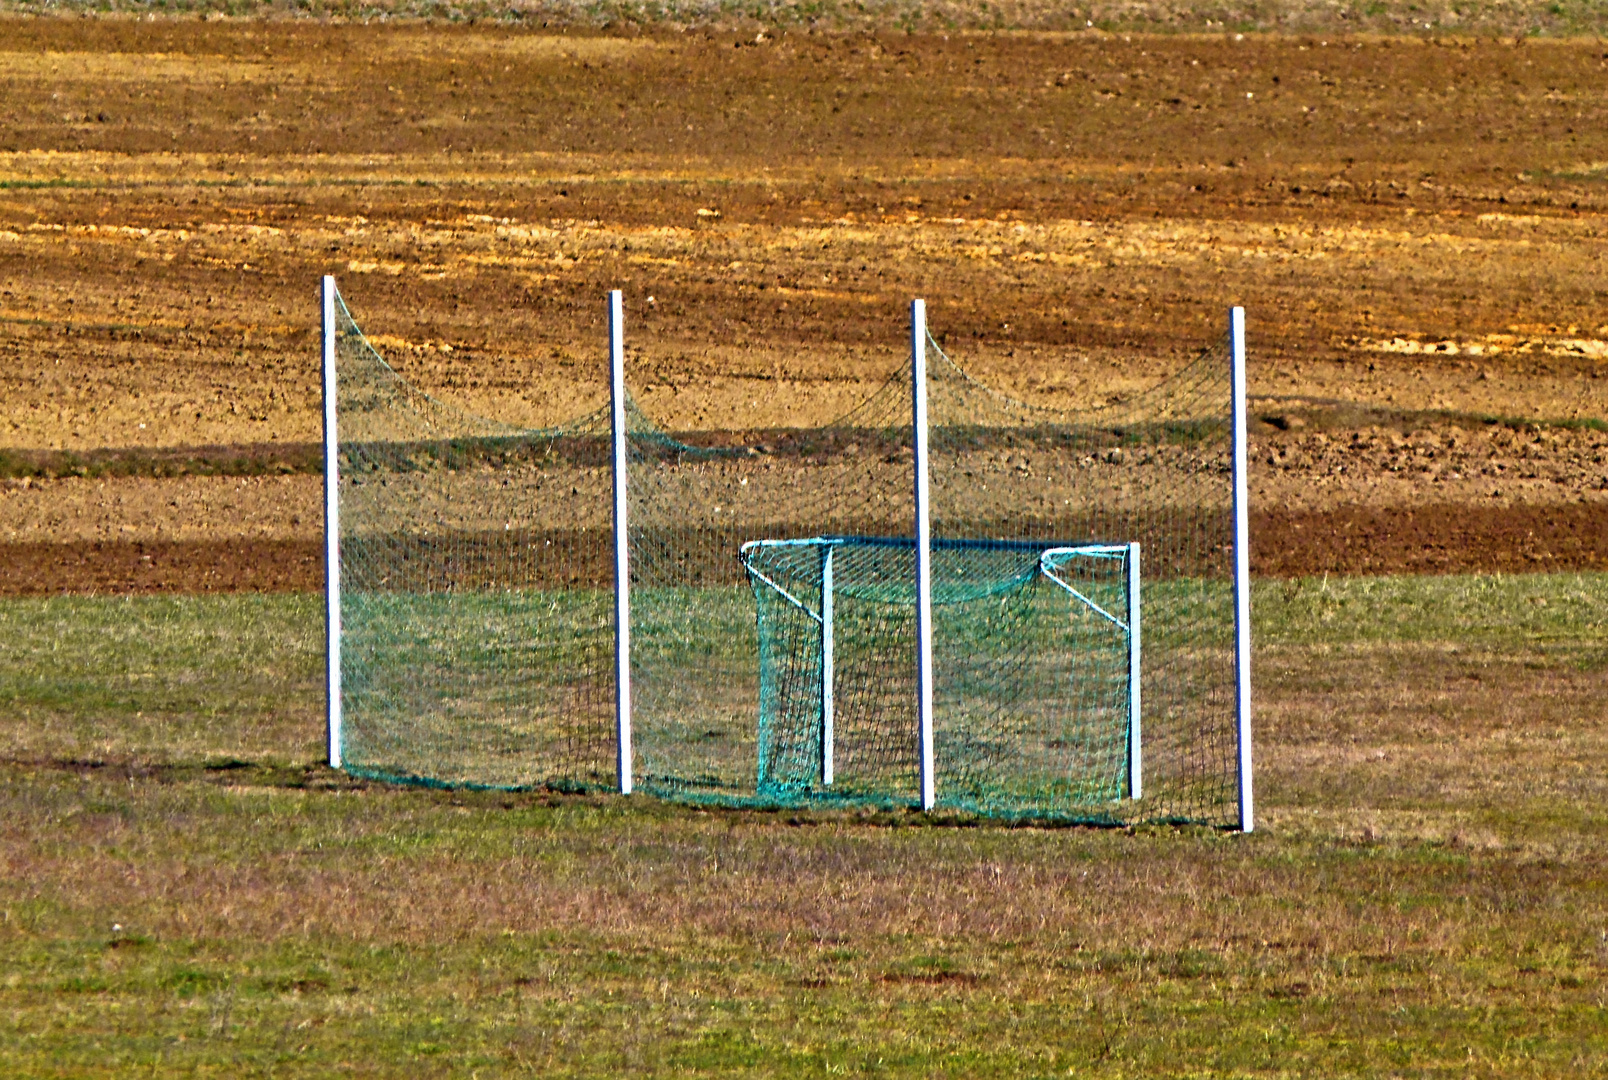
(475, 588)
(1152, 468)
(476, 599)
(696, 497)
(1044, 705)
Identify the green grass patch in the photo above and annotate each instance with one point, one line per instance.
(165, 678)
(1425, 895)
(209, 679)
(1509, 610)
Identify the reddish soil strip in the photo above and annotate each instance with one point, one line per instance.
(1348, 540)
(1443, 539)
(170, 566)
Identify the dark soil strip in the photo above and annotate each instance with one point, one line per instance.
(260, 459)
(1444, 539)
(592, 447)
(194, 566)
(1441, 539)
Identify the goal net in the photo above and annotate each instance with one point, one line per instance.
(1033, 656)
(473, 622)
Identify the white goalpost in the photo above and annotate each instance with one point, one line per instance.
(923, 537)
(828, 667)
(622, 564)
(1242, 575)
(1136, 769)
(332, 534)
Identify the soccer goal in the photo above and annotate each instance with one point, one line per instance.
(1039, 645)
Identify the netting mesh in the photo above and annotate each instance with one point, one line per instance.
(1154, 469)
(477, 609)
(695, 498)
(476, 583)
(1031, 669)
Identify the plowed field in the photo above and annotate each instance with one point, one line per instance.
(1416, 227)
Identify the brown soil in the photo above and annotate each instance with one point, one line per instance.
(1431, 539)
(1417, 19)
(161, 510)
(1434, 539)
(36, 569)
(1428, 464)
(1415, 226)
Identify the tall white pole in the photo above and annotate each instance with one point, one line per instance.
(332, 537)
(828, 675)
(1242, 576)
(918, 379)
(622, 561)
(1136, 769)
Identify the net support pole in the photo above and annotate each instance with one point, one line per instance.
(1136, 768)
(332, 536)
(1242, 576)
(923, 529)
(828, 677)
(622, 563)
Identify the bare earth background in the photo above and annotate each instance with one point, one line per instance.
(1416, 226)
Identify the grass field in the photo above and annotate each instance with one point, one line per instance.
(187, 892)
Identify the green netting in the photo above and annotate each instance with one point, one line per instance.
(476, 576)
(695, 497)
(1031, 670)
(1031, 684)
(476, 581)
(1154, 469)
